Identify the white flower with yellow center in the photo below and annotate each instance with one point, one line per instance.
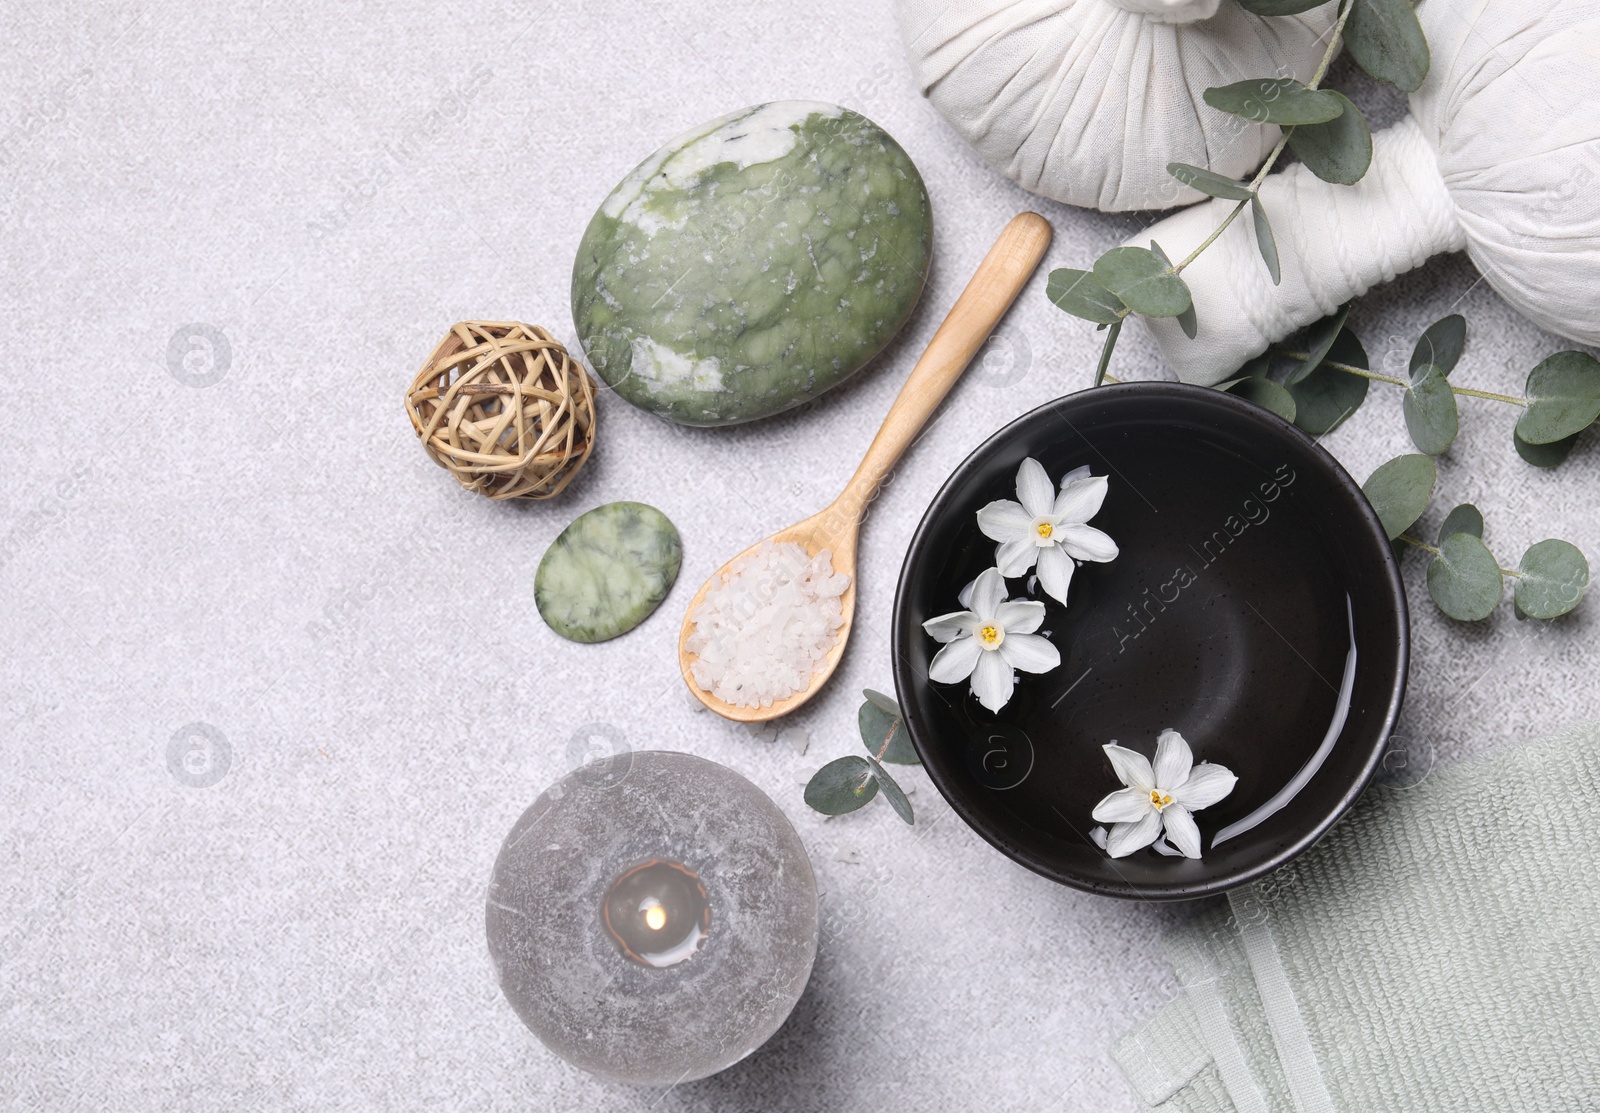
(1161, 798)
(989, 640)
(1048, 528)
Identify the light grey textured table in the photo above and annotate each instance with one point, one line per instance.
(257, 546)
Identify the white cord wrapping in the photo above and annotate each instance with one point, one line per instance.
(1334, 243)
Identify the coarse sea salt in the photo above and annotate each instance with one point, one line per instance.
(760, 634)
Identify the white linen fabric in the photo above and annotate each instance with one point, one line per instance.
(1434, 953)
(1500, 156)
(1086, 101)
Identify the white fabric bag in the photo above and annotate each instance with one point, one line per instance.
(1086, 101)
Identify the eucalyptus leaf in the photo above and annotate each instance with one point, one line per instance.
(1143, 280)
(1385, 39)
(1399, 491)
(1266, 242)
(1555, 575)
(1209, 183)
(1080, 294)
(1430, 410)
(878, 726)
(1255, 368)
(1563, 395)
(842, 785)
(1327, 397)
(1465, 518)
(884, 703)
(892, 793)
(1186, 320)
(1319, 340)
(1441, 345)
(1338, 151)
(1266, 394)
(1464, 579)
(1189, 323)
(1544, 455)
(1280, 7)
(1105, 353)
(1275, 100)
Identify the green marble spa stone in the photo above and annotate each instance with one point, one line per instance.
(752, 263)
(607, 571)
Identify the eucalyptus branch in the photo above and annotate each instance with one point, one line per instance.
(1425, 547)
(894, 728)
(1255, 184)
(1335, 36)
(1229, 219)
(848, 783)
(1468, 392)
(1464, 579)
(1376, 377)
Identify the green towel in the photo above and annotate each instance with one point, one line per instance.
(1439, 950)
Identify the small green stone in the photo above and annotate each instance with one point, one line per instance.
(607, 571)
(752, 263)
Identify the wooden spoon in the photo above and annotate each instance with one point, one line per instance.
(995, 285)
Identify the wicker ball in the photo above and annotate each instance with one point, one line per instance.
(502, 407)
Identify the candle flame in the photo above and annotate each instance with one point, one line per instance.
(655, 917)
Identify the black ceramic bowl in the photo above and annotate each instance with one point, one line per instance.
(1254, 583)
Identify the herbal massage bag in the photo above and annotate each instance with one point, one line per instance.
(1086, 101)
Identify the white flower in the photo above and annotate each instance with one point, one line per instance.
(986, 642)
(1161, 797)
(1048, 528)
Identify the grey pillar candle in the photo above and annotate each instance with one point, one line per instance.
(652, 917)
